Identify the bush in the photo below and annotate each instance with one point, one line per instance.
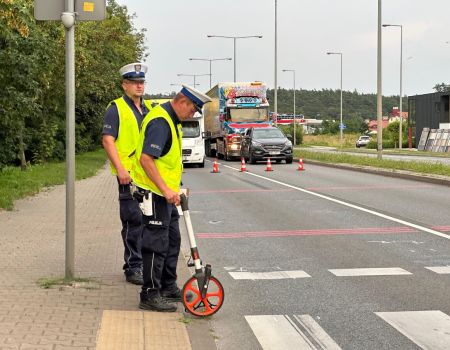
(289, 130)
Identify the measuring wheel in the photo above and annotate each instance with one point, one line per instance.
(207, 305)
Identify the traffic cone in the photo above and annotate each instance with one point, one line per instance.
(300, 165)
(243, 167)
(215, 167)
(269, 165)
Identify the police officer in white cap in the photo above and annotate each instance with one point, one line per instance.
(121, 127)
(158, 174)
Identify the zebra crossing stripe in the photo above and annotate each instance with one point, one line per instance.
(271, 275)
(280, 332)
(428, 329)
(439, 269)
(385, 271)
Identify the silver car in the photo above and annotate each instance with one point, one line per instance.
(362, 141)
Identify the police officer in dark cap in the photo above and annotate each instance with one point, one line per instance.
(121, 127)
(157, 174)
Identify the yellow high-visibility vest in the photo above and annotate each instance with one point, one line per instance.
(128, 135)
(170, 166)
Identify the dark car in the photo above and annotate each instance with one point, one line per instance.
(268, 142)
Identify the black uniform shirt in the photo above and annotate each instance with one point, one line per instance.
(158, 138)
(112, 120)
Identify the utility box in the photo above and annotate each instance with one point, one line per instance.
(86, 10)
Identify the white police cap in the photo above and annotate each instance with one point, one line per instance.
(134, 71)
(197, 97)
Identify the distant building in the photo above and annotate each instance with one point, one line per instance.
(372, 126)
(428, 111)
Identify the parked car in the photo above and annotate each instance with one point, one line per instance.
(268, 142)
(362, 141)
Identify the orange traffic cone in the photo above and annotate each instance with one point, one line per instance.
(243, 167)
(269, 165)
(300, 165)
(215, 167)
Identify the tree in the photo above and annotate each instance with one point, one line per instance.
(442, 87)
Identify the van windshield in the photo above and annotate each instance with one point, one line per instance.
(190, 129)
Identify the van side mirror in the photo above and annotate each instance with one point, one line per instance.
(206, 134)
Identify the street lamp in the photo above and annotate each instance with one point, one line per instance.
(275, 87)
(341, 126)
(234, 42)
(293, 72)
(192, 75)
(401, 81)
(379, 89)
(210, 60)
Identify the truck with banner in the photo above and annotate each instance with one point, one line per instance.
(234, 108)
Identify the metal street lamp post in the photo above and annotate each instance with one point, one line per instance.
(401, 82)
(379, 89)
(192, 75)
(295, 122)
(234, 42)
(275, 83)
(210, 60)
(341, 126)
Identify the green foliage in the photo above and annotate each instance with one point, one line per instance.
(325, 104)
(15, 184)
(32, 102)
(289, 130)
(442, 87)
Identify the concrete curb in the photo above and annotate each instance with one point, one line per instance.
(403, 174)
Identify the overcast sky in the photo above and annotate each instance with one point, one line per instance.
(307, 29)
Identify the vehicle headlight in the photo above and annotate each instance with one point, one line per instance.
(288, 143)
(256, 144)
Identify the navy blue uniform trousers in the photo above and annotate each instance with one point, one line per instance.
(131, 217)
(160, 247)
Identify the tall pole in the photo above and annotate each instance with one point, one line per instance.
(341, 125)
(275, 88)
(234, 44)
(379, 90)
(70, 144)
(400, 127)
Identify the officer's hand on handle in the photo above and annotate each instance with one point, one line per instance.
(172, 197)
(124, 177)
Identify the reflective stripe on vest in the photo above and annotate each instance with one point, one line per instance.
(169, 166)
(128, 134)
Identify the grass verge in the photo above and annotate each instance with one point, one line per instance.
(15, 184)
(417, 167)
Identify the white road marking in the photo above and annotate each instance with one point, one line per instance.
(439, 269)
(428, 329)
(372, 212)
(384, 271)
(279, 332)
(271, 275)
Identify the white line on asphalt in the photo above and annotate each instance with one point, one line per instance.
(439, 269)
(279, 332)
(428, 329)
(271, 275)
(386, 271)
(373, 212)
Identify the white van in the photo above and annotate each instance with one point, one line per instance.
(193, 151)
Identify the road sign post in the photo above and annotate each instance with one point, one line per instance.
(67, 11)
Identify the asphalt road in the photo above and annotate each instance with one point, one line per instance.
(324, 258)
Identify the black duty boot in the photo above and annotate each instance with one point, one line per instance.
(134, 277)
(176, 295)
(156, 303)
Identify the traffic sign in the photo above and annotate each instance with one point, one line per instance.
(342, 126)
(86, 10)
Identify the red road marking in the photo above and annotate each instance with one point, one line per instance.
(349, 231)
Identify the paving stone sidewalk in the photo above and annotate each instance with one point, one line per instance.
(32, 244)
